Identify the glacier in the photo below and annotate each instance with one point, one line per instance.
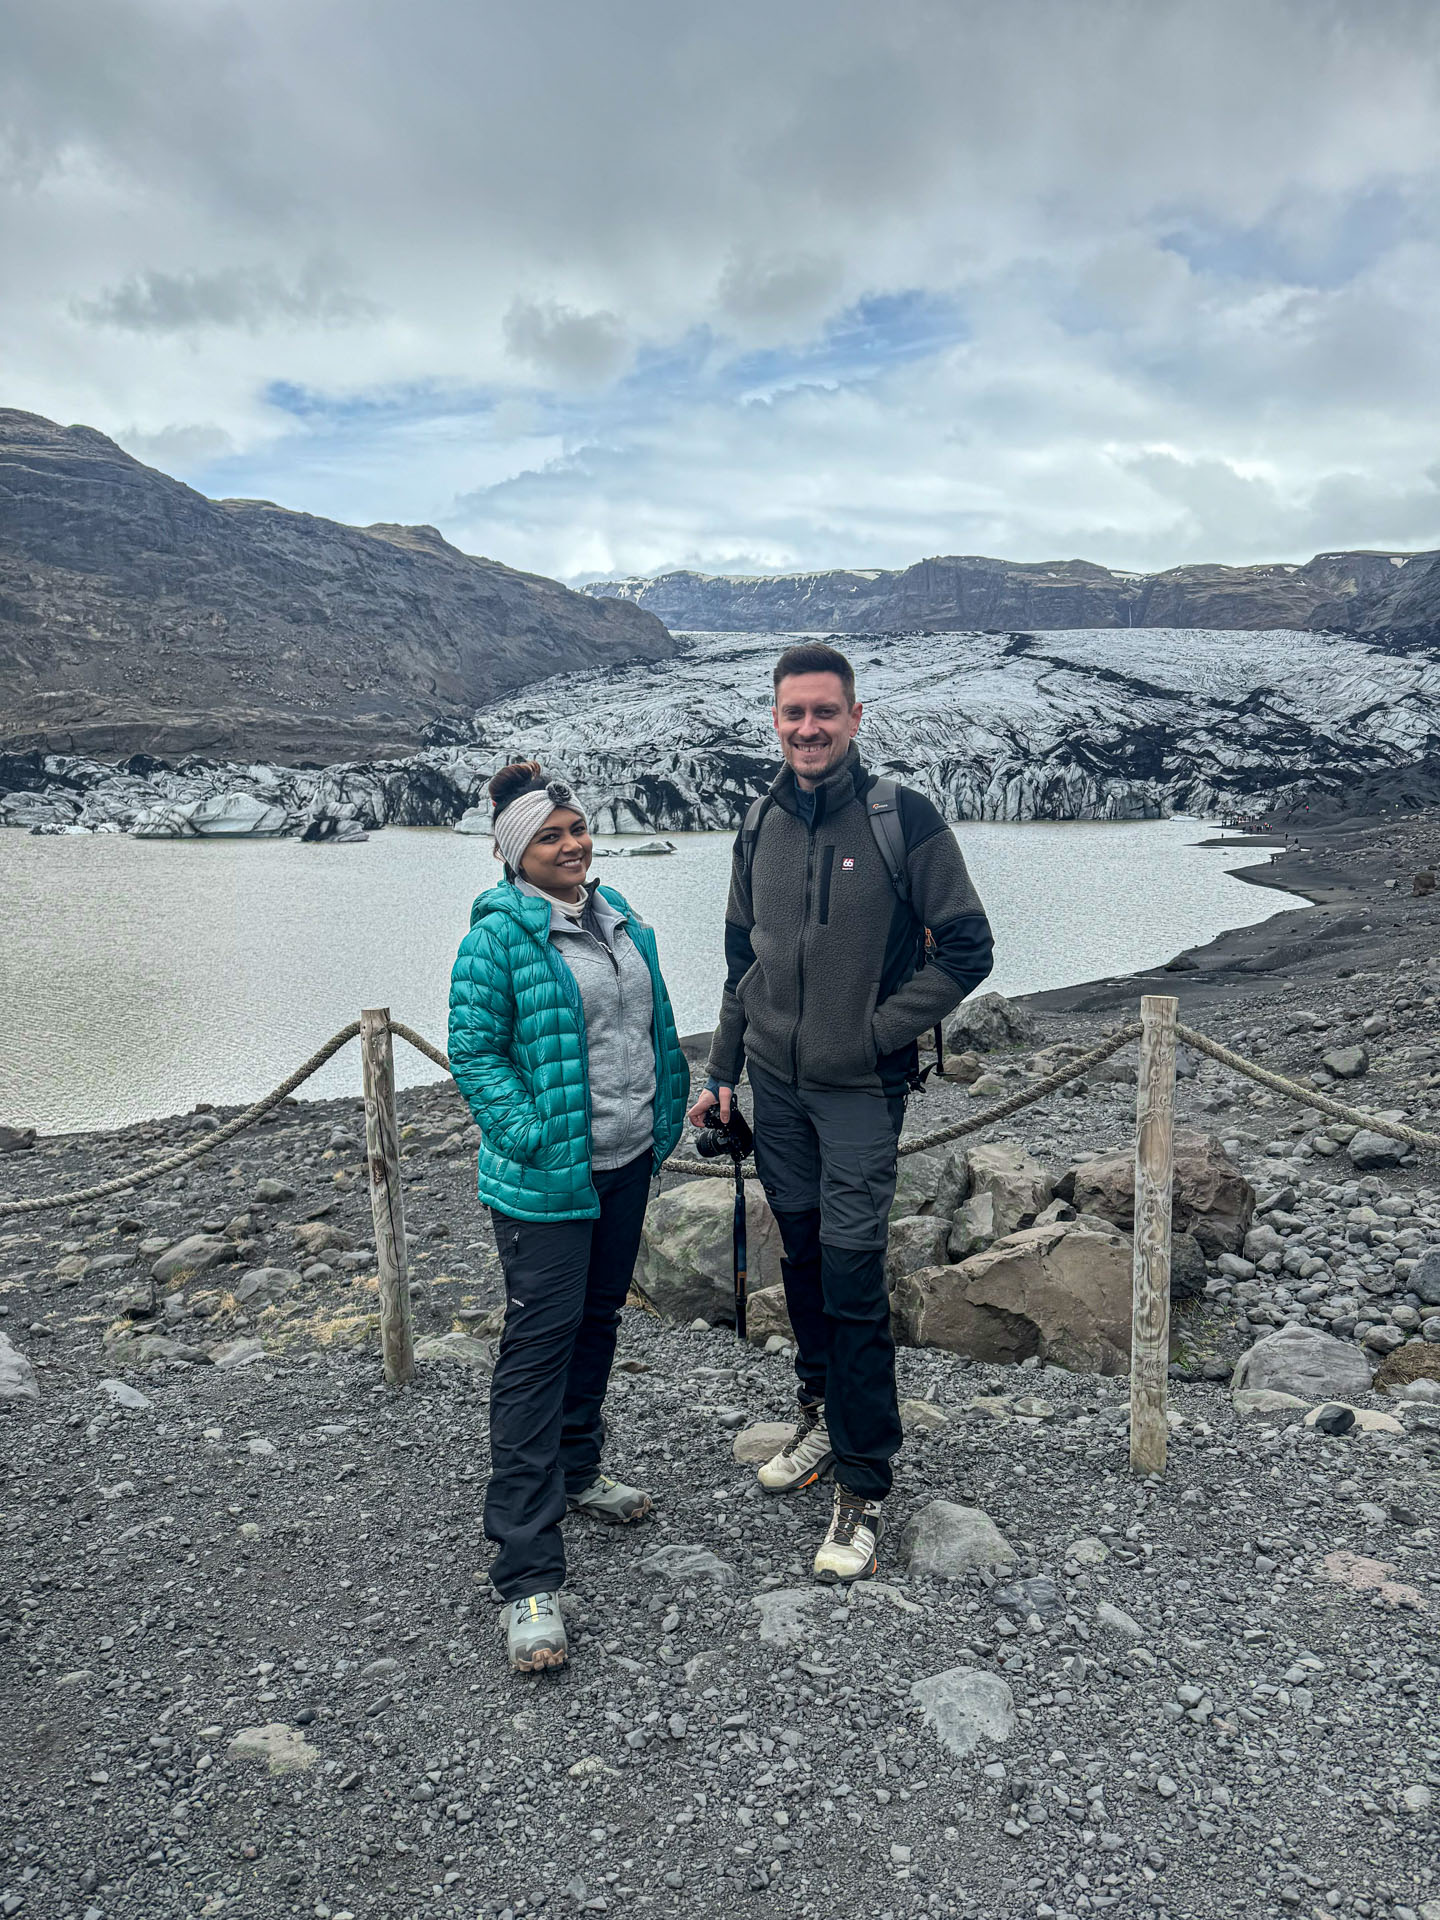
(1079, 724)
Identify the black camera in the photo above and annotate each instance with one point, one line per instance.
(717, 1136)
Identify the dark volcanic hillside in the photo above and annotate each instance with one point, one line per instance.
(135, 614)
(1349, 591)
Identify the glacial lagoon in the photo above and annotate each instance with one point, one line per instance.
(139, 977)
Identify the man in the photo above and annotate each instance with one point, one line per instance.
(830, 979)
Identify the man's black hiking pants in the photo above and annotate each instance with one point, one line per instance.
(827, 1163)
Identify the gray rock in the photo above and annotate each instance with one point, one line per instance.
(17, 1376)
(1072, 1285)
(1346, 1063)
(989, 1021)
(930, 1183)
(1118, 1621)
(685, 1266)
(455, 1349)
(767, 1317)
(120, 1394)
(243, 1351)
(1332, 1417)
(1212, 1198)
(946, 1541)
(195, 1254)
(965, 1706)
(1037, 1595)
(1425, 1277)
(268, 1192)
(1260, 1401)
(16, 1139)
(280, 1748)
(1304, 1361)
(678, 1563)
(916, 1240)
(1368, 1150)
(783, 1613)
(756, 1444)
(1382, 1339)
(264, 1285)
(1017, 1184)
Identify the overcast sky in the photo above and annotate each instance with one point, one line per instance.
(612, 286)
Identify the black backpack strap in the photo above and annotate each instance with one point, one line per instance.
(882, 803)
(750, 833)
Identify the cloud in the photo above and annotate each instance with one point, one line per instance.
(745, 286)
(565, 348)
(252, 298)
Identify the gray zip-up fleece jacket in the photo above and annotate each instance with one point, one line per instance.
(614, 984)
(828, 980)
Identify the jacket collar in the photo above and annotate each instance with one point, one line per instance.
(848, 782)
(534, 912)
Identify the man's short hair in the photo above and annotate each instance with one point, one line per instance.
(813, 656)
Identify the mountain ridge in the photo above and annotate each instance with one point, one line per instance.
(1353, 591)
(139, 615)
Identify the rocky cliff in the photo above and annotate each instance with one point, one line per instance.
(1366, 592)
(137, 615)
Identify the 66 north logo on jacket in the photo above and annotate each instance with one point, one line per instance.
(847, 865)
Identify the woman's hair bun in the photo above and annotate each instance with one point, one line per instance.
(514, 779)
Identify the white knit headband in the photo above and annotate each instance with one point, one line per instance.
(518, 825)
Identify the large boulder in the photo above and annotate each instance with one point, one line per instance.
(1018, 1185)
(989, 1021)
(1212, 1199)
(1071, 1283)
(930, 1183)
(931, 1308)
(16, 1139)
(919, 1240)
(685, 1268)
(1303, 1361)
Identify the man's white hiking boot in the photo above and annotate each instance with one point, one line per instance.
(807, 1457)
(535, 1633)
(848, 1550)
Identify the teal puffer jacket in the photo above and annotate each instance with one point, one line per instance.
(518, 1054)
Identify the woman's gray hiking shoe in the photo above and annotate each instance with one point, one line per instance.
(805, 1459)
(535, 1634)
(611, 1501)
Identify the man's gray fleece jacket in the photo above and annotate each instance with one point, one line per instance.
(828, 983)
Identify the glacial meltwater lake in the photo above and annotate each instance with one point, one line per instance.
(138, 977)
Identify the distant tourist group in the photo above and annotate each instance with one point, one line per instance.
(851, 929)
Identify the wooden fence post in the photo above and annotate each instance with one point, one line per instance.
(382, 1154)
(1154, 1176)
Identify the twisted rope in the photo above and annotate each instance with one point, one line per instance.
(421, 1044)
(1292, 1090)
(922, 1143)
(207, 1145)
(976, 1122)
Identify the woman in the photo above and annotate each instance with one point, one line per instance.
(564, 1045)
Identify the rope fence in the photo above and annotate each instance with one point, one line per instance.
(1157, 1029)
